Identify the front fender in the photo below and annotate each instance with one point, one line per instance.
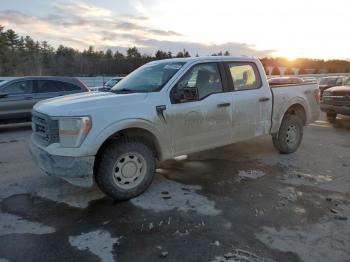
(163, 141)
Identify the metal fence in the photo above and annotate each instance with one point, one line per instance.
(89, 81)
(100, 80)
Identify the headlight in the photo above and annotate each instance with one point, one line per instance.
(327, 93)
(73, 130)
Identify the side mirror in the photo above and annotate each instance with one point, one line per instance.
(185, 94)
(3, 95)
(190, 93)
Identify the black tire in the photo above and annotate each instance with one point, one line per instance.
(112, 156)
(284, 141)
(331, 117)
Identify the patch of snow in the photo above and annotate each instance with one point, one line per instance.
(252, 174)
(164, 195)
(98, 242)
(11, 224)
(240, 255)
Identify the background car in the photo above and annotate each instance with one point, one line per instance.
(286, 80)
(330, 81)
(108, 85)
(18, 96)
(336, 100)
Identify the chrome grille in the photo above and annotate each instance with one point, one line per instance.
(44, 129)
(337, 100)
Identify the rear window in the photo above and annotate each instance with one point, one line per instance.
(245, 76)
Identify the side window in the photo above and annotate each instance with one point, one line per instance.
(199, 82)
(17, 88)
(48, 86)
(245, 76)
(68, 87)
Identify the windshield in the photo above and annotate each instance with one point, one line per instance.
(149, 78)
(328, 81)
(3, 82)
(347, 82)
(112, 82)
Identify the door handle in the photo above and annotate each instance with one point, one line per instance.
(264, 99)
(160, 111)
(28, 97)
(224, 105)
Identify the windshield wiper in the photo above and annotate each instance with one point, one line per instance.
(123, 90)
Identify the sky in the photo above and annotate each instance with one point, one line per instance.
(294, 28)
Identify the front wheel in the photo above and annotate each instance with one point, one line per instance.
(125, 169)
(289, 136)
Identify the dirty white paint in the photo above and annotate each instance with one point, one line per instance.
(164, 195)
(327, 240)
(98, 242)
(239, 255)
(11, 224)
(70, 195)
(252, 174)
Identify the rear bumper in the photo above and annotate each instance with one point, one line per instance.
(76, 170)
(344, 110)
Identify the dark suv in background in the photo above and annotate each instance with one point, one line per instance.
(18, 96)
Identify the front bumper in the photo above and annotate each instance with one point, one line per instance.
(344, 110)
(76, 170)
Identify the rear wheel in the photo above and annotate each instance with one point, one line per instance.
(331, 116)
(126, 169)
(289, 136)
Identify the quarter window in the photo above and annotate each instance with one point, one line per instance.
(199, 82)
(245, 76)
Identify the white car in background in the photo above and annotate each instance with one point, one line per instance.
(108, 85)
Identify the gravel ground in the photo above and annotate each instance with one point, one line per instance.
(243, 202)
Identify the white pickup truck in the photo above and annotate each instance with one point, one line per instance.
(165, 109)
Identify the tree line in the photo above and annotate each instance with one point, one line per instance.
(22, 55)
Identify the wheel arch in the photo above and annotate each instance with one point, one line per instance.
(297, 107)
(135, 130)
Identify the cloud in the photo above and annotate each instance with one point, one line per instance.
(80, 25)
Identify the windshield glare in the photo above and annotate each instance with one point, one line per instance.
(149, 78)
(112, 82)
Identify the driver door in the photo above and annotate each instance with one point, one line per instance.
(200, 114)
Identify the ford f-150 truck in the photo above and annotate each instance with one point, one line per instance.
(165, 109)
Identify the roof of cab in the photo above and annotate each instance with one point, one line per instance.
(211, 58)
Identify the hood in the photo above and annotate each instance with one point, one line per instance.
(85, 103)
(323, 87)
(339, 90)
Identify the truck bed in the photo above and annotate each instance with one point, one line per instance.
(306, 95)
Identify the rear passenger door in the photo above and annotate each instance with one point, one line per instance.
(16, 100)
(44, 89)
(251, 101)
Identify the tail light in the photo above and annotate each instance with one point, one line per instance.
(85, 86)
(318, 95)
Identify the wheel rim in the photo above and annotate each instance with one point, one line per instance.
(292, 135)
(129, 170)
